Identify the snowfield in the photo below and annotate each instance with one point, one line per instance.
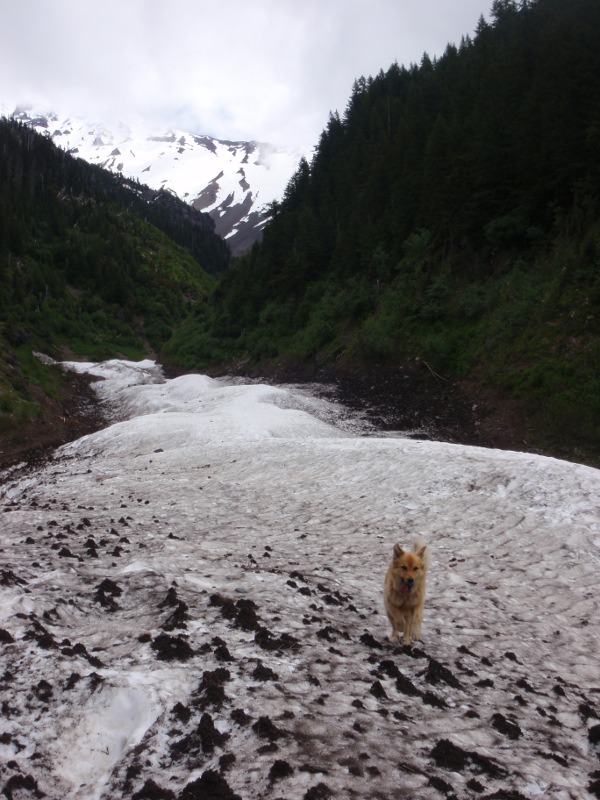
(191, 607)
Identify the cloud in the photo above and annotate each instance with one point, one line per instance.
(270, 70)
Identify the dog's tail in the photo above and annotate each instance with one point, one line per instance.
(418, 544)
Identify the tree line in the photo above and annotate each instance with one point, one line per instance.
(449, 213)
(78, 243)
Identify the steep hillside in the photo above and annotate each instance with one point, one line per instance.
(87, 266)
(450, 219)
(232, 181)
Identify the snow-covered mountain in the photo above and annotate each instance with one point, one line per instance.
(231, 181)
(191, 607)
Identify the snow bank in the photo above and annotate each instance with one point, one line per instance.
(193, 596)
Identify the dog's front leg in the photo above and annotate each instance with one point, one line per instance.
(416, 626)
(393, 637)
(407, 630)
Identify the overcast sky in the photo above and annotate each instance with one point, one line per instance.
(236, 69)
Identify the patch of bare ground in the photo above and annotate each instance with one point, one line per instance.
(415, 400)
(76, 413)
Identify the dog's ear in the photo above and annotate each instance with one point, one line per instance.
(421, 552)
(398, 551)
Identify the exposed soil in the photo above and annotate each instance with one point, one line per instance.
(77, 413)
(417, 401)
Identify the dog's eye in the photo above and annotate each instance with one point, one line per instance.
(404, 568)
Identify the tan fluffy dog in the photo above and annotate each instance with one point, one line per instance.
(404, 591)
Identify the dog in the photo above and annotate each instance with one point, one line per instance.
(404, 591)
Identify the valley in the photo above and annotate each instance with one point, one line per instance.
(408, 403)
(427, 266)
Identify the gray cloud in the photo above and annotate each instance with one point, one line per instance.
(268, 69)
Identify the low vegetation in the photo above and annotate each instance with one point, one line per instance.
(450, 215)
(90, 266)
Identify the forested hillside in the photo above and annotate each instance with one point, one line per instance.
(450, 215)
(89, 264)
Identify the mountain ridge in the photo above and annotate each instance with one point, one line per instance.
(233, 181)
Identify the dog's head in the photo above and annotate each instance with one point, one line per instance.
(408, 568)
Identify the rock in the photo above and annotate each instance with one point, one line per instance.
(450, 756)
(263, 673)
(438, 673)
(152, 791)
(210, 736)
(505, 726)
(171, 648)
(280, 769)
(266, 729)
(209, 786)
(16, 783)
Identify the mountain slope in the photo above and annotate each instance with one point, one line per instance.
(449, 219)
(87, 264)
(232, 181)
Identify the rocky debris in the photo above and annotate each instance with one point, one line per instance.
(6, 637)
(293, 688)
(265, 728)
(452, 757)
(505, 726)
(280, 769)
(106, 593)
(396, 685)
(269, 641)
(179, 615)
(211, 785)
(212, 690)
(152, 791)
(264, 673)
(17, 784)
(172, 648)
